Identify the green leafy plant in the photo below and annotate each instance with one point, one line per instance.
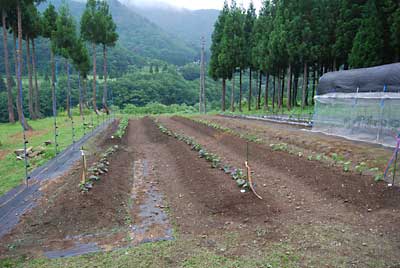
(361, 167)
(279, 147)
(346, 166)
(196, 147)
(123, 124)
(379, 177)
(98, 169)
(374, 170)
(227, 169)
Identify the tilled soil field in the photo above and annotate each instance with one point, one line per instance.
(303, 139)
(309, 196)
(323, 216)
(65, 215)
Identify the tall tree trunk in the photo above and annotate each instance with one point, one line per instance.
(305, 85)
(279, 91)
(94, 80)
(68, 100)
(283, 88)
(105, 93)
(36, 96)
(295, 88)
(293, 93)
(307, 90)
(289, 88)
(10, 105)
(85, 101)
(30, 92)
(233, 93)
(80, 97)
(266, 91)
(20, 109)
(273, 92)
(240, 90)
(250, 88)
(259, 91)
(223, 95)
(314, 85)
(16, 63)
(321, 71)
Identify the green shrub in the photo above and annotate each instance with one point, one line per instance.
(156, 108)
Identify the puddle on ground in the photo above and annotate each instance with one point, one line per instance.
(149, 220)
(77, 250)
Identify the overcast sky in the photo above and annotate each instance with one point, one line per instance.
(193, 4)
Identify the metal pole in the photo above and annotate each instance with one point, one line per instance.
(395, 167)
(381, 116)
(81, 106)
(55, 112)
(70, 105)
(22, 117)
(91, 119)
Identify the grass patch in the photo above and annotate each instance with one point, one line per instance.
(11, 170)
(180, 253)
(295, 113)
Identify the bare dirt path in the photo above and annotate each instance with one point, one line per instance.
(311, 195)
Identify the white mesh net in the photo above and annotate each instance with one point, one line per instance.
(372, 117)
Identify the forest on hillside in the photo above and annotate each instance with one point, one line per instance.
(143, 65)
(273, 58)
(291, 41)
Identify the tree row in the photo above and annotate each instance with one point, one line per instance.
(21, 20)
(299, 40)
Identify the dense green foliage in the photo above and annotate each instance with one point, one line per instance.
(190, 71)
(298, 41)
(138, 87)
(158, 108)
(141, 44)
(169, 87)
(140, 40)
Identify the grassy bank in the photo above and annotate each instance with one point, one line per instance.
(11, 138)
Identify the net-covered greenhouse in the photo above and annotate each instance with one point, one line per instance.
(360, 104)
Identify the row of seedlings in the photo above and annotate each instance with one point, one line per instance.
(237, 174)
(98, 169)
(123, 124)
(334, 159)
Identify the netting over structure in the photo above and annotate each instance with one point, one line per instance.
(362, 104)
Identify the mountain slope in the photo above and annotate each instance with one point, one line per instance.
(189, 25)
(139, 35)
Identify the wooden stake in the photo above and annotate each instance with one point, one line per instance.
(84, 171)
